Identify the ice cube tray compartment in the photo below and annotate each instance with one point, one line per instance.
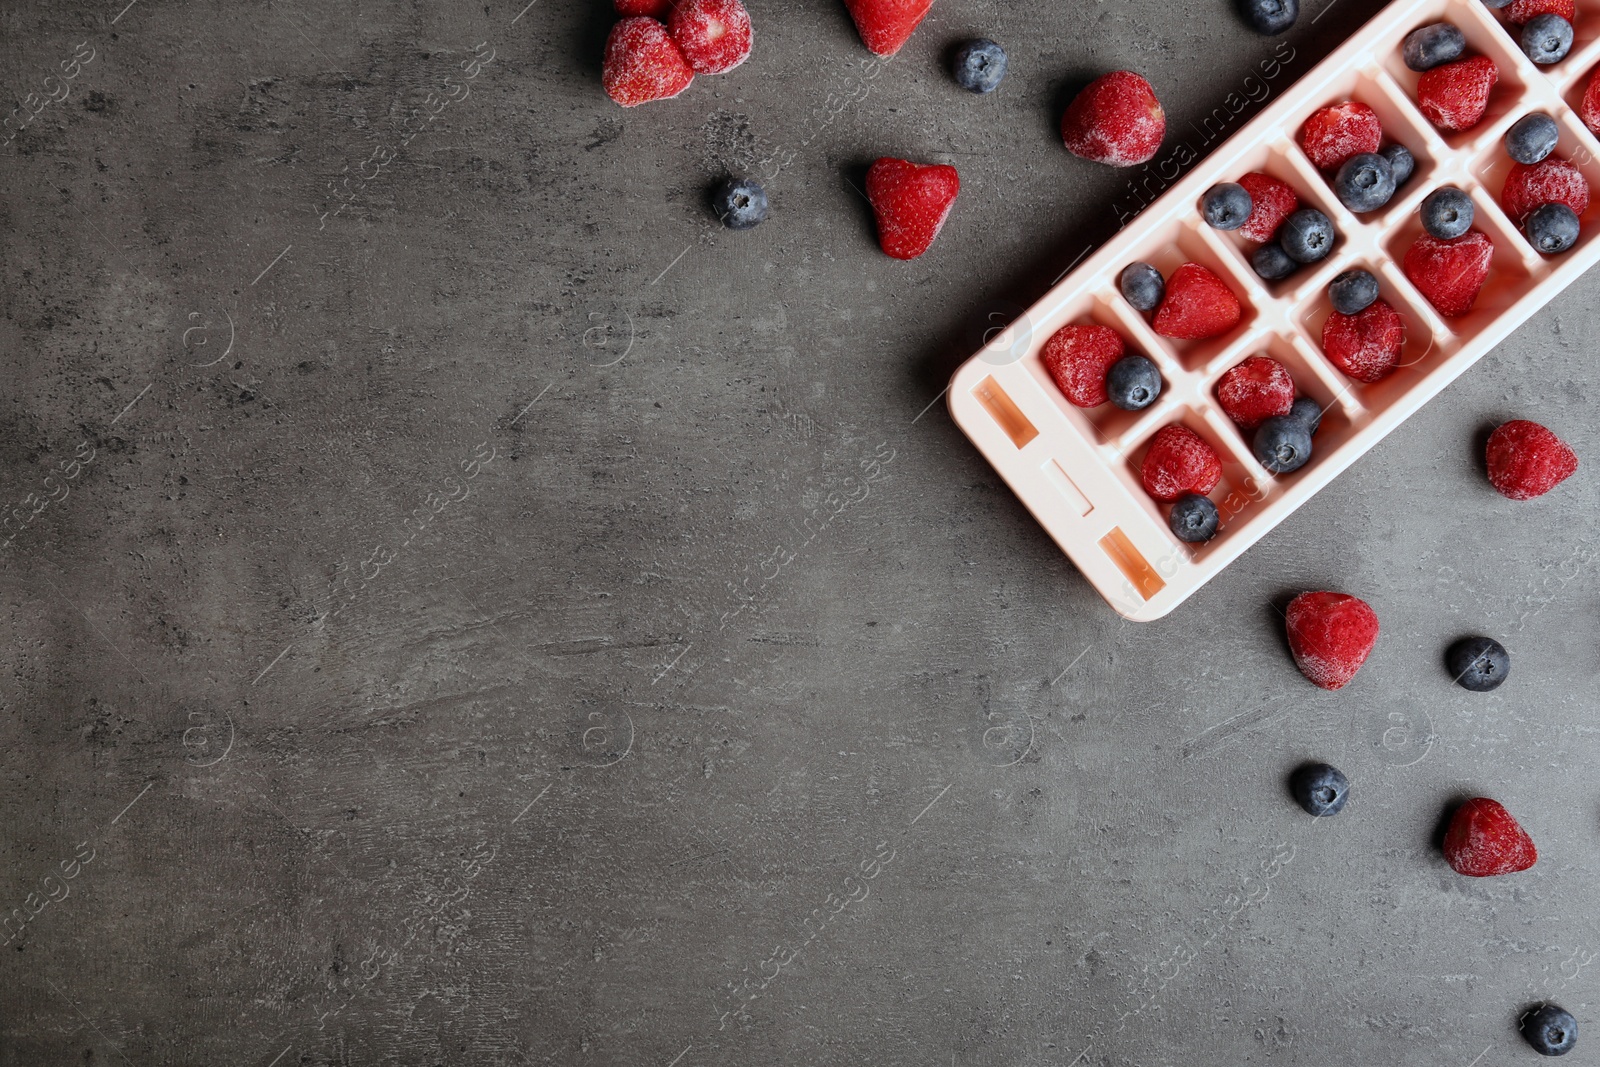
(1078, 470)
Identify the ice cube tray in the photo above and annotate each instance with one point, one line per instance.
(1077, 469)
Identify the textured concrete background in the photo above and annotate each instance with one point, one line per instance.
(471, 609)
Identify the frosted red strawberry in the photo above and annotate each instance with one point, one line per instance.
(885, 25)
(1520, 11)
(1335, 133)
(1179, 461)
(643, 64)
(1450, 273)
(1330, 636)
(1116, 119)
(1485, 840)
(1365, 346)
(1078, 356)
(1549, 181)
(1527, 460)
(656, 9)
(1255, 391)
(1455, 96)
(1271, 201)
(1589, 107)
(713, 35)
(911, 202)
(1197, 304)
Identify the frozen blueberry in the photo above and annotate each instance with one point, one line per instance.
(1401, 162)
(740, 203)
(1364, 182)
(1352, 291)
(1307, 413)
(1133, 383)
(979, 65)
(1431, 46)
(1320, 789)
(1551, 1030)
(1270, 16)
(1496, 4)
(1447, 213)
(1551, 228)
(1272, 262)
(1193, 518)
(1478, 664)
(1226, 206)
(1531, 138)
(1143, 286)
(1306, 236)
(1547, 38)
(1282, 444)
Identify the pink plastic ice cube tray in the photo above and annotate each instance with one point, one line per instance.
(1077, 469)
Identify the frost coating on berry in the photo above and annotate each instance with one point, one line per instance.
(1078, 357)
(1484, 840)
(1449, 273)
(1365, 346)
(1550, 181)
(1337, 132)
(1115, 120)
(714, 35)
(1330, 635)
(1271, 200)
(643, 64)
(1179, 461)
(1527, 460)
(1197, 305)
(1455, 96)
(1255, 390)
(911, 202)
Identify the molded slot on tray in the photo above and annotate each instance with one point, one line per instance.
(1493, 166)
(1508, 281)
(1482, 40)
(1574, 92)
(1106, 423)
(1585, 28)
(1169, 248)
(1402, 124)
(1131, 562)
(998, 403)
(1310, 380)
(1421, 354)
(1057, 476)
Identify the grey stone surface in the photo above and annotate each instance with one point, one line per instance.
(550, 634)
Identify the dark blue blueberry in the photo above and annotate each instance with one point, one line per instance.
(1496, 4)
(1282, 444)
(1551, 1030)
(1143, 286)
(1551, 228)
(1226, 206)
(740, 203)
(1352, 291)
(1272, 262)
(1430, 46)
(1320, 789)
(1478, 664)
(1364, 182)
(1270, 16)
(1401, 162)
(1133, 383)
(1532, 137)
(1547, 38)
(979, 65)
(1193, 518)
(1447, 213)
(1307, 413)
(1307, 235)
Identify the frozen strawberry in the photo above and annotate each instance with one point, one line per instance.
(1271, 202)
(713, 35)
(1255, 391)
(1179, 461)
(1589, 108)
(1365, 346)
(642, 63)
(885, 25)
(1520, 11)
(1334, 134)
(1450, 273)
(1078, 356)
(911, 202)
(1197, 304)
(1330, 635)
(1549, 181)
(1485, 840)
(1455, 96)
(656, 9)
(1526, 460)
(1116, 119)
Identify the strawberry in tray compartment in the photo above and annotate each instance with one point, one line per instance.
(1549, 181)
(911, 202)
(1116, 120)
(1589, 106)
(1256, 390)
(1335, 133)
(1524, 11)
(1365, 346)
(1197, 305)
(1450, 272)
(1078, 357)
(1179, 462)
(1455, 96)
(1271, 202)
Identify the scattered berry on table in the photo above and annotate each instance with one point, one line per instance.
(1197, 304)
(1433, 45)
(1270, 17)
(1116, 120)
(1364, 182)
(1401, 162)
(1551, 1030)
(1527, 460)
(1179, 461)
(1320, 789)
(1589, 107)
(1133, 382)
(1352, 291)
(643, 64)
(1271, 262)
(1078, 357)
(1478, 664)
(1521, 11)
(1282, 444)
(656, 9)
(740, 203)
(1142, 286)
(1308, 412)
(911, 202)
(1546, 39)
(885, 25)
(1485, 840)
(1532, 137)
(1337, 132)
(1226, 206)
(1271, 202)
(1455, 95)
(979, 65)
(1194, 518)
(714, 35)
(1255, 390)
(1330, 635)
(1551, 228)
(1449, 273)
(1365, 346)
(1550, 181)
(1306, 235)
(1447, 213)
